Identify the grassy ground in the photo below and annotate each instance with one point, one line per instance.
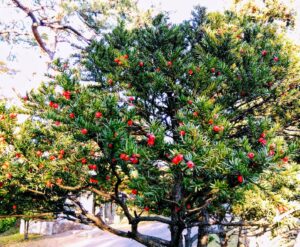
(12, 236)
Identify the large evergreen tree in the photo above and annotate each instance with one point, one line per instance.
(175, 116)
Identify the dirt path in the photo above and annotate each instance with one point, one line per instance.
(95, 238)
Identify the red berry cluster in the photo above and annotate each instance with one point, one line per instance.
(53, 105)
(133, 159)
(67, 95)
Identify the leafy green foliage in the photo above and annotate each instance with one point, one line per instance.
(6, 224)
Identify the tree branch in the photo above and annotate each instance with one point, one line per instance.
(34, 28)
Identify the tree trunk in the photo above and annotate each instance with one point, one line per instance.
(187, 238)
(178, 227)
(203, 231)
(26, 229)
(223, 239)
(176, 236)
(202, 237)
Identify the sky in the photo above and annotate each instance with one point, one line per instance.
(30, 65)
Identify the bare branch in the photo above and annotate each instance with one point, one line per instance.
(34, 28)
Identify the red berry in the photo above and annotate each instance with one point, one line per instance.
(1, 184)
(8, 176)
(271, 153)
(169, 63)
(18, 155)
(12, 115)
(107, 177)
(177, 209)
(49, 184)
(264, 53)
(151, 140)
(52, 157)
(190, 72)
(93, 167)
(262, 141)
(39, 153)
(213, 70)
(126, 56)
(93, 181)
(285, 159)
(83, 160)
(272, 146)
(146, 208)
(116, 60)
(134, 191)
(131, 98)
(110, 82)
(216, 128)
(190, 164)
(210, 121)
(124, 157)
(67, 95)
(141, 64)
(263, 135)
(190, 102)
(59, 180)
(250, 155)
(182, 132)
(98, 114)
(62, 152)
(195, 114)
(134, 160)
(177, 159)
(240, 179)
(129, 122)
(276, 59)
(72, 115)
(14, 207)
(188, 206)
(110, 145)
(57, 123)
(84, 131)
(55, 106)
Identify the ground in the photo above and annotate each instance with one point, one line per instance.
(95, 237)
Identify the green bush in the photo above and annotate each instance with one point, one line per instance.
(5, 224)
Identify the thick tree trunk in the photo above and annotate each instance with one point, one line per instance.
(176, 236)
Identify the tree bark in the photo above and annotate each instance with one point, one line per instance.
(26, 229)
(188, 238)
(202, 237)
(223, 239)
(177, 228)
(203, 231)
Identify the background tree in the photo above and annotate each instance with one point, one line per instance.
(73, 24)
(168, 120)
